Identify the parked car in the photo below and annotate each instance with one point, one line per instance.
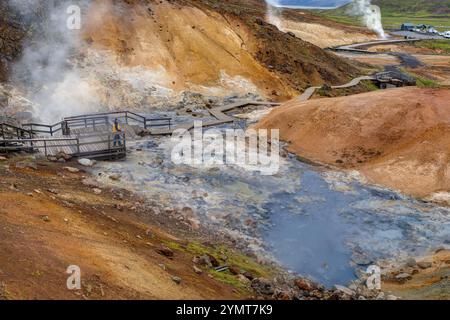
(447, 34)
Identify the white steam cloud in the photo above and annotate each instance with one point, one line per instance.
(274, 13)
(46, 70)
(371, 16)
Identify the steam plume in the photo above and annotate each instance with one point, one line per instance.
(46, 69)
(371, 16)
(274, 13)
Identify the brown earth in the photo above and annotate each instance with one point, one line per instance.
(197, 42)
(429, 279)
(398, 138)
(50, 220)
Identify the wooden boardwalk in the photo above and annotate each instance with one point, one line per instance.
(85, 138)
(219, 115)
(311, 90)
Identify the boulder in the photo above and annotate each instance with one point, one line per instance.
(234, 270)
(262, 286)
(115, 177)
(303, 284)
(197, 270)
(403, 277)
(177, 280)
(344, 290)
(86, 162)
(167, 252)
(71, 169)
(424, 265)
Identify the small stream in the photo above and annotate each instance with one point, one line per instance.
(319, 223)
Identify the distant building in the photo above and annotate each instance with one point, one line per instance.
(408, 27)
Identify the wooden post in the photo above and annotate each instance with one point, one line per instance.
(78, 145)
(45, 148)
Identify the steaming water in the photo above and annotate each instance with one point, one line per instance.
(321, 224)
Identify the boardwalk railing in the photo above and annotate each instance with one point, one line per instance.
(95, 120)
(11, 131)
(92, 146)
(128, 117)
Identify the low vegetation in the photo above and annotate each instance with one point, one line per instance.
(440, 46)
(396, 12)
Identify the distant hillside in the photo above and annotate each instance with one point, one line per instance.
(395, 12)
(437, 7)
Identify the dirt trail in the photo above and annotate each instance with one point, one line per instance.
(50, 220)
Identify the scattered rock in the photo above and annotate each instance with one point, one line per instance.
(403, 277)
(215, 263)
(391, 297)
(167, 252)
(411, 262)
(115, 177)
(197, 270)
(303, 284)
(64, 156)
(86, 162)
(45, 218)
(25, 165)
(344, 290)
(97, 191)
(54, 191)
(380, 296)
(89, 182)
(424, 264)
(234, 270)
(177, 280)
(249, 275)
(206, 260)
(262, 286)
(243, 279)
(71, 169)
(3, 158)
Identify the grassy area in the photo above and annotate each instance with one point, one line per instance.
(234, 258)
(396, 12)
(393, 21)
(438, 45)
(421, 81)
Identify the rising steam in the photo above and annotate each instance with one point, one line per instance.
(371, 16)
(274, 13)
(46, 70)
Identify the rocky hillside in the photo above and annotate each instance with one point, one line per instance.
(138, 48)
(11, 34)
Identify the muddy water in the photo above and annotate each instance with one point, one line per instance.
(322, 224)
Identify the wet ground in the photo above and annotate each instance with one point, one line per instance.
(323, 224)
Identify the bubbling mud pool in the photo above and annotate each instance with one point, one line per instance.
(322, 224)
